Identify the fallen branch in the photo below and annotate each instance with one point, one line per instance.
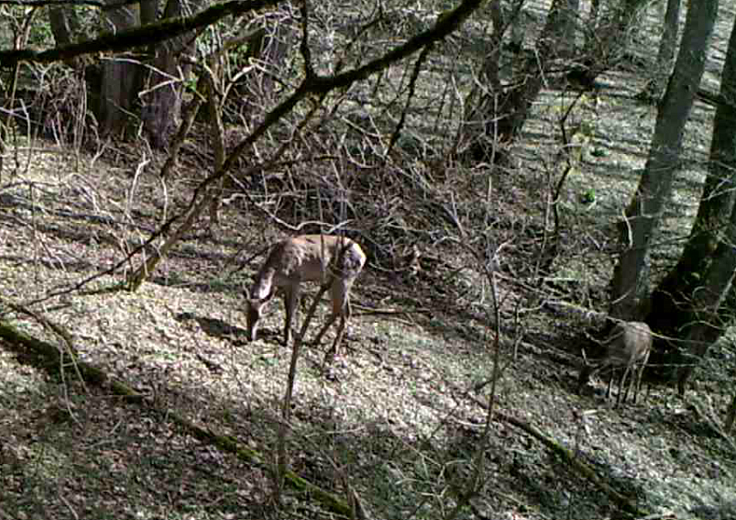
(53, 360)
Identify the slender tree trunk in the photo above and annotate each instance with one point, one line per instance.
(217, 133)
(70, 123)
(64, 24)
(666, 55)
(655, 187)
(21, 33)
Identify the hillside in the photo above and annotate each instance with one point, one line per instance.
(400, 421)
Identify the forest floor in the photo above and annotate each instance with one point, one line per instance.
(398, 421)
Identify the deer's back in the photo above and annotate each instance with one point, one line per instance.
(310, 257)
(629, 342)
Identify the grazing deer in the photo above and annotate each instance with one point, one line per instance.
(333, 260)
(628, 345)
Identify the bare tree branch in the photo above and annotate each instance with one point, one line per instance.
(139, 36)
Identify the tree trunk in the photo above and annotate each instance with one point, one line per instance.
(64, 24)
(730, 416)
(483, 98)
(502, 114)
(655, 187)
(666, 55)
(706, 254)
(120, 79)
(706, 324)
(267, 49)
(114, 84)
(592, 22)
(569, 30)
(211, 78)
(606, 39)
(162, 102)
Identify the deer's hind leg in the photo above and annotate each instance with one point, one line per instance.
(640, 372)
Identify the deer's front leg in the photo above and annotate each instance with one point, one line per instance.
(291, 304)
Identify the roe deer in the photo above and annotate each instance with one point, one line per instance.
(334, 260)
(628, 345)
